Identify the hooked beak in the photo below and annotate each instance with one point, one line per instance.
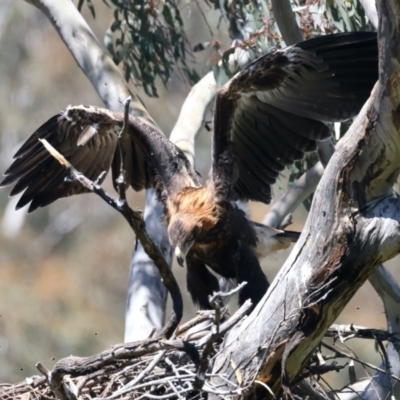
(180, 256)
(181, 252)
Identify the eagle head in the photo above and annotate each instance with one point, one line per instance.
(183, 231)
(193, 213)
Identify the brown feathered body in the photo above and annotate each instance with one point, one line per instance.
(218, 234)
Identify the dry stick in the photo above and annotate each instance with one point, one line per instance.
(140, 377)
(174, 369)
(135, 221)
(154, 382)
(346, 332)
(215, 302)
(60, 389)
(239, 314)
(121, 181)
(365, 364)
(203, 315)
(388, 366)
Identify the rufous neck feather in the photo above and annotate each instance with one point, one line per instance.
(196, 203)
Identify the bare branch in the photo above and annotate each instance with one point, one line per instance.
(346, 332)
(298, 191)
(193, 111)
(286, 21)
(351, 357)
(135, 220)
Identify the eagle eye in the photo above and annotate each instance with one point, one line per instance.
(190, 237)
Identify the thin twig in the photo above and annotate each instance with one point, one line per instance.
(56, 383)
(346, 332)
(365, 364)
(121, 181)
(227, 325)
(387, 364)
(140, 377)
(215, 302)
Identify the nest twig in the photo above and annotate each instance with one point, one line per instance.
(153, 368)
(163, 369)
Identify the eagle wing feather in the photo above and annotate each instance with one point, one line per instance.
(87, 138)
(269, 114)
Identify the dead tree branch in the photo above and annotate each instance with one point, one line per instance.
(298, 191)
(353, 227)
(192, 114)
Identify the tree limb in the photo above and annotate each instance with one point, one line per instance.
(353, 226)
(370, 11)
(193, 111)
(286, 21)
(298, 191)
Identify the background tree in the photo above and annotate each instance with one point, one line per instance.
(258, 41)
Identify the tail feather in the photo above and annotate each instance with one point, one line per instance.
(292, 235)
(270, 240)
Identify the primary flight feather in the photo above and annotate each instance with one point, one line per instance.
(266, 117)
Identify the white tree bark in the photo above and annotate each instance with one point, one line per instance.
(298, 191)
(370, 11)
(192, 115)
(353, 227)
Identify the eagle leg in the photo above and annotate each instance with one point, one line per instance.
(248, 270)
(201, 283)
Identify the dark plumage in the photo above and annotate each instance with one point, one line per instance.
(266, 117)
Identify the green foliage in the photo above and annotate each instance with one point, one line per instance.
(337, 16)
(149, 39)
(253, 32)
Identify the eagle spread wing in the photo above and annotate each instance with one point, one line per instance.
(268, 115)
(265, 117)
(87, 138)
